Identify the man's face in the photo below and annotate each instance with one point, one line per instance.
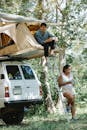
(43, 28)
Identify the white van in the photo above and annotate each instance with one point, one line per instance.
(19, 87)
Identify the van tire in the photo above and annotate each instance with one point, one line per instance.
(13, 118)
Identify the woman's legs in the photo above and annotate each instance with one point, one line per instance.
(71, 101)
(73, 108)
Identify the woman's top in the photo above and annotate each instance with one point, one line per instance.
(68, 87)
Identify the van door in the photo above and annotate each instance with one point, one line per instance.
(2, 82)
(17, 91)
(32, 85)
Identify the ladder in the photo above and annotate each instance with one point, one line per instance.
(61, 97)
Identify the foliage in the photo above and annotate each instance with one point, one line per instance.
(70, 18)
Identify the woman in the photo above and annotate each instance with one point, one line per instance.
(65, 81)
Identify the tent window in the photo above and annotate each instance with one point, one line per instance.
(33, 28)
(5, 40)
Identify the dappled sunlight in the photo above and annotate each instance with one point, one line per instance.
(49, 122)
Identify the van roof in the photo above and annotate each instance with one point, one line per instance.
(12, 62)
(8, 58)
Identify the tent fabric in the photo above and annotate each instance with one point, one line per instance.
(21, 34)
(25, 39)
(8, 50)
(16, 27)
(25, 44)
(10, 30)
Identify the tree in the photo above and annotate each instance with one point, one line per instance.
(69, 24)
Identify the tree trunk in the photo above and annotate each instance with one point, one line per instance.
(62, 60)
(39, 10)
(49, 104)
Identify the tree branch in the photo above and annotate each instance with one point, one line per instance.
(58, 7)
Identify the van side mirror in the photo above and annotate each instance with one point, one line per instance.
(2, 76)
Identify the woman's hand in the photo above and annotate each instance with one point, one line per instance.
(61, 83)
(70, 82)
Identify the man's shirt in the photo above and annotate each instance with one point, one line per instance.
(41, 37)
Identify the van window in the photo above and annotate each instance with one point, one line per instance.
(13, 72)
(27, 72)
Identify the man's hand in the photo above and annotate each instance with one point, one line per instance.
(48, 40)
(55, 39)
(51, 39)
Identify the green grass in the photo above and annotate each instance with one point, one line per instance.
(49, 122)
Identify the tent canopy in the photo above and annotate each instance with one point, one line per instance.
(16, 28)
(16, 36)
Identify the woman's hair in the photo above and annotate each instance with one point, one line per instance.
(66, 67)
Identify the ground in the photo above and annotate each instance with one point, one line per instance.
(50, 122)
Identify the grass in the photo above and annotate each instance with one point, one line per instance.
(49, 122)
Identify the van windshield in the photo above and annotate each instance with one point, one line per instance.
(13, 72)
(27, 72)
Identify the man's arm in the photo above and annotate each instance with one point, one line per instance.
(52, 37)
(38, 39)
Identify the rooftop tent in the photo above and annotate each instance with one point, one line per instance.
(16, 37)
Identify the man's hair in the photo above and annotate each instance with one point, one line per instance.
(43, 24)
(66, 67)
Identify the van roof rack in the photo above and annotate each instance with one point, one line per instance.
(10, 58)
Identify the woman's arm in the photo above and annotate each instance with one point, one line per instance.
(60, 82)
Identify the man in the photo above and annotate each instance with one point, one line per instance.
(47, 40)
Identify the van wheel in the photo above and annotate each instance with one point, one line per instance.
(13, 118)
